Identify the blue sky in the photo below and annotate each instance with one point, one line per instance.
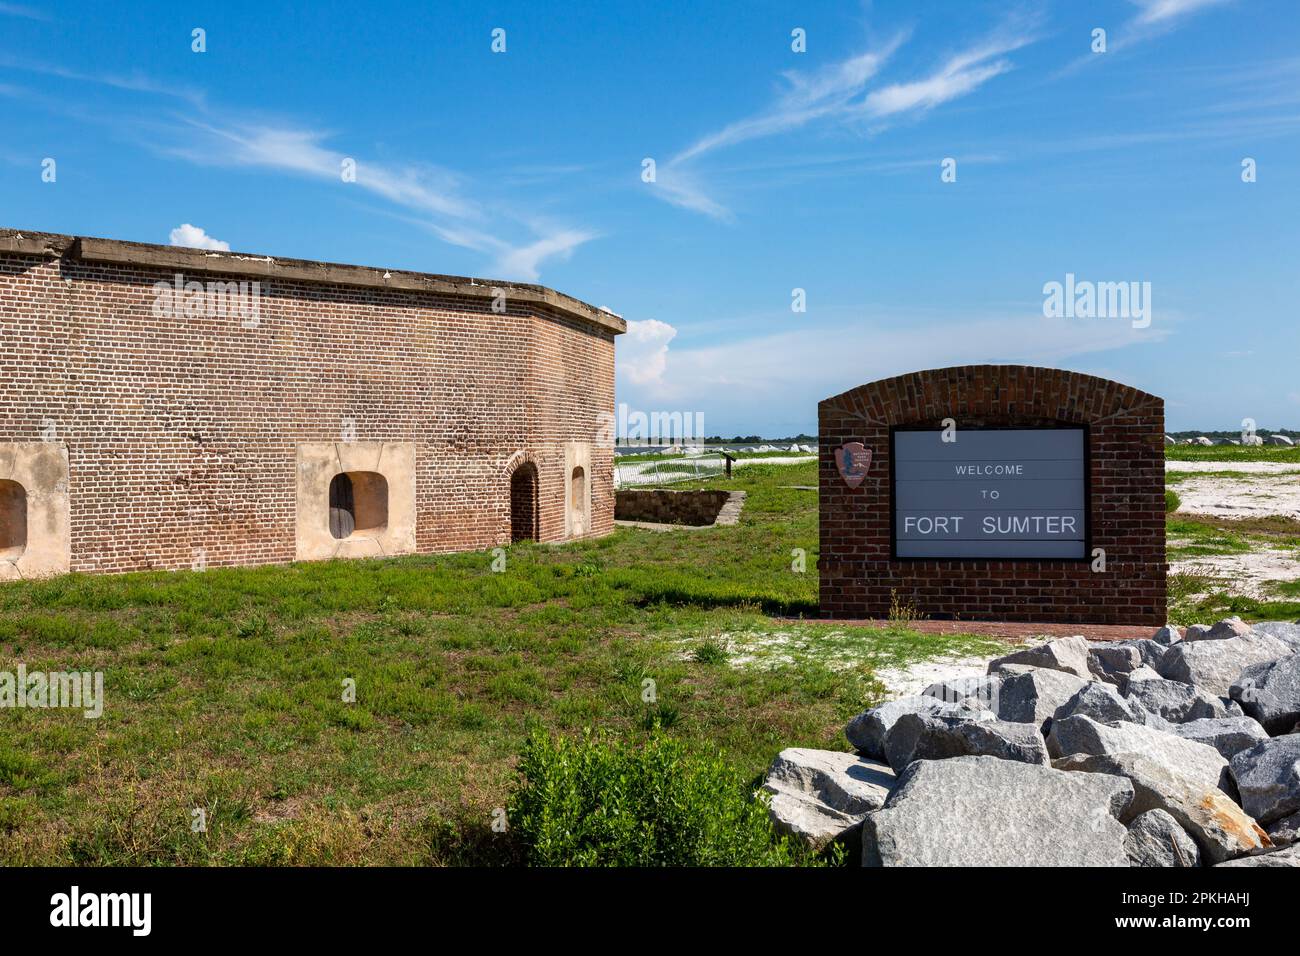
(775, 170)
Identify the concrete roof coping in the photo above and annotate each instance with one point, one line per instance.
(91, 249)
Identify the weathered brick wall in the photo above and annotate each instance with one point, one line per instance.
(1126, 501)
(182, 431)
(669, 507)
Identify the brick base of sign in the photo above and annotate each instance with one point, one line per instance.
(859, 578)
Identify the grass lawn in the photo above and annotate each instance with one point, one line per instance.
(1281, 453)
(224, 688)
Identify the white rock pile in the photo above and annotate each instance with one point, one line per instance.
(1182, 749)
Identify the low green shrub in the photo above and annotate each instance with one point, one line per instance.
(1172, 500)
(596, 802)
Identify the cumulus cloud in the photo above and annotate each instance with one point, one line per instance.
(643, 352)
(193, 237)
(777, 380)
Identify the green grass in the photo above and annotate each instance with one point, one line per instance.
(224, 688)
(1280, 453)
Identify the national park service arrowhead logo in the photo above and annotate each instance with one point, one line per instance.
(853, 460)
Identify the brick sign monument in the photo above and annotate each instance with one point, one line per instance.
(993, 492)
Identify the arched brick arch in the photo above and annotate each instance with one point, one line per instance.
(1125, 454)
(523, 492)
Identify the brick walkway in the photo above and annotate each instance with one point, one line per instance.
(1015, 630)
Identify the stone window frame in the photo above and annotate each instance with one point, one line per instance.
(577, 520)
(41, 470)
(317, 465)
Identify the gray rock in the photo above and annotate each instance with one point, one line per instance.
(1229, 627)
(1219, 826)
(1152, 652)
(1285, 632)
(1198, 762)
(1169, 634)
(1213, 665)
(866, 732)
(980, 691)
(1112, 663)
(1270, 693)
(1284, 832)
(823, 795)
(1228, 735)
(1196, 632)
(931, 737)
(1289, 856)
(1268, 775)
(1067, 654)
(1103, 703)
(981, 811)
(1173, 700)
(1156, 839)
(1035, 695)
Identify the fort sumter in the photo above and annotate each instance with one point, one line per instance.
(998, 525)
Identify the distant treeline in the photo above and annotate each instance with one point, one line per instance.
(756, 440)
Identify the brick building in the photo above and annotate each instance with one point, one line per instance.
(862, 565)
(167, 408)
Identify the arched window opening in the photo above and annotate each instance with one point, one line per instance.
(13, 519)
(578, 500)
(358, 504)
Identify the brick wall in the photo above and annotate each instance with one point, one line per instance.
(1126, 501)
(182, 431)
(669, 507)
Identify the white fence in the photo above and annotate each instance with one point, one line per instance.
(666, 471)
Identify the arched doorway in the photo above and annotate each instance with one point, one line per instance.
(523, 503)
(13, 519)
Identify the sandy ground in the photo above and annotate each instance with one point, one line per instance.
(1247, 467)
(1275, 490)
(1240, 498)
(908, 681)
(1244, 574)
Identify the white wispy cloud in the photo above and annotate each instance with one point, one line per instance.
(1164, 11)
(135, 82)
(959, 76)
(193, 237)
(433, 197)
(1152, 19)
(822, 93)
(524, 262)
(839, 93)
(18, 10)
